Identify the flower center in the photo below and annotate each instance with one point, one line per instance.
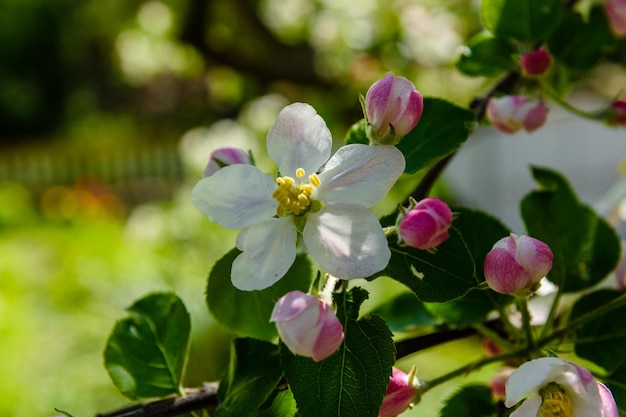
(555, 402)
(293, 196)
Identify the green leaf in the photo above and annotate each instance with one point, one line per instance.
(603, 340)
(616, 382)
(487, 56)
(253, 374)
(248, 312)
(146, 351)
(524, 20)
(441, 130)
(442, 276)
(357, 134)
(471, 400)
(280, 404)
(580, 44)
(584, 245)
(353, 381)
(405, 312)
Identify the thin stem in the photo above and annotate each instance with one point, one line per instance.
(522, 306)
(427, 385)
(552, 313)
(549, 91)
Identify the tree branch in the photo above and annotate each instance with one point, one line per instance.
(197, 399)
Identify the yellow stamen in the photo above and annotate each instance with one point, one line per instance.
(294, 198)
(555, 402)
(315, 180)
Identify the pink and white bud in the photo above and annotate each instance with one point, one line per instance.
(225, 156)
(536, 63)
(617, 113)
(498, 383)
(392, 108)
(426, 225)
(401, 394)
(516, 264)
(307, 325)
(509, 114)
(616, 13)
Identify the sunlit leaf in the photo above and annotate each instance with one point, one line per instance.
(444, 275)
(584, 245)
(248, 312)
(146, 351)
(353, 381)
(442, 129)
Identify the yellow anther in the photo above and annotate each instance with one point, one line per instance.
(555, 402)
(294, 198)
(315, 180)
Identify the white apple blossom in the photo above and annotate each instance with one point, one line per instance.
(553, 387)
(329, 209)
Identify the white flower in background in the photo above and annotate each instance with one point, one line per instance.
(329, 209)
(553, 387)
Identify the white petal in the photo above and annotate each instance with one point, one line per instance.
(528, 378)
(236, 196)
(360, 174)
(346, 241)
(269, 250)
(299, 138)
(529, 408)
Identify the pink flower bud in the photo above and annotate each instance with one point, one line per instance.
(307, 325)
(498, 383)
(509, 114)
(400, 394)
(426, 225)
(617, 113)
(392, 107)
(535, 63)
(616, 12)
(225, 156)
(516, 264)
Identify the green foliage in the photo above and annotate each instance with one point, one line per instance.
(444, 275)
(442, 129)
(353, 381)
(249, 381)
(405, 312)
(146, 351)
(526, 20)
(356, 133)
(249, 312)
(603, 340)
(579, 43)
(471, 400)
(585, 246)
(487, 56)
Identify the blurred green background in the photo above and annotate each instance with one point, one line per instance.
(108, 113)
